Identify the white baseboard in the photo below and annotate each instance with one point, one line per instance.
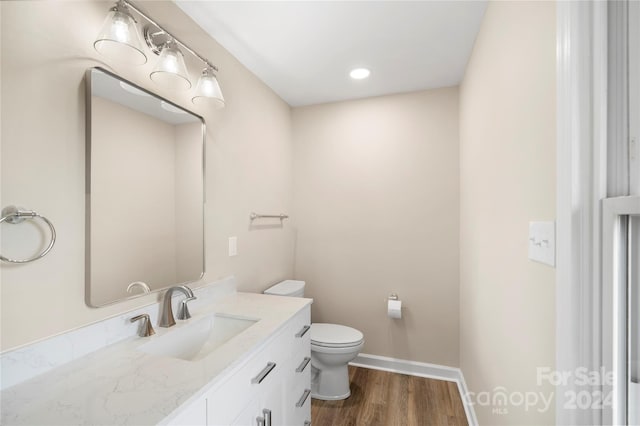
(420, 369)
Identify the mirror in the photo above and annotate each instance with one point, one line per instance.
(144, 191)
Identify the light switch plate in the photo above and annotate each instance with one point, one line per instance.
(233, 246)
(542, 242)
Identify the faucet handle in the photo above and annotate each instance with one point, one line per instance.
(145, 329)
(183, 310)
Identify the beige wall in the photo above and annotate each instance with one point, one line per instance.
(507, 164)
(376, 212)
(249, 162)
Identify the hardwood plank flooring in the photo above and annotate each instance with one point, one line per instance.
(380, 398)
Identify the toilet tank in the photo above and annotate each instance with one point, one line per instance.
(291, 288)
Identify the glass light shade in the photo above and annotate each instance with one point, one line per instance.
(208, 90)
(119, 38)
(170, 71)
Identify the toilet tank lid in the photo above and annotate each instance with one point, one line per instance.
(285, 288)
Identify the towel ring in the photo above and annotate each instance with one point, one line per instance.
(15, 215)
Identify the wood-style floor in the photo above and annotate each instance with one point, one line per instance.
(379, 398)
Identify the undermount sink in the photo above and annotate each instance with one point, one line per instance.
(196, 340)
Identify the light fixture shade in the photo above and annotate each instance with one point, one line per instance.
(170, 71)
(119, 38)
(208, 90)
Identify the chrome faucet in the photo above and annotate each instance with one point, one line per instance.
(167, 319)
(145, 329)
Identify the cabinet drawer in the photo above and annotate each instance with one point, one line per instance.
(301, 412)
(300, 330)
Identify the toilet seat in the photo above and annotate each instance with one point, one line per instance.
(335, 336)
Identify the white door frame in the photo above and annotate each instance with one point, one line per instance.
(581, 184)
(592, 164)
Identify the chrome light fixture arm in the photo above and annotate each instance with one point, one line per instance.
(151, 35)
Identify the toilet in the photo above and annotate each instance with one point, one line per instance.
(333, 346)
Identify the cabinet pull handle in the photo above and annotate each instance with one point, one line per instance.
(264, 373)
(303, 364)
(303, 331)
(267, 417)
(260, 421)
(303, 398)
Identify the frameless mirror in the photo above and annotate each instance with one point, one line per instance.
(144, 191)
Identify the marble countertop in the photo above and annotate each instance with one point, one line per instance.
(122, 385)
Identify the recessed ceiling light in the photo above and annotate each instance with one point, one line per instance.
(359, 73)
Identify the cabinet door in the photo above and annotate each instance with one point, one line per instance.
(250, 414)
(194, 415)
(267, 406)
(232, 397)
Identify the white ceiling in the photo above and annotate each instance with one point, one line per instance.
(304, 50)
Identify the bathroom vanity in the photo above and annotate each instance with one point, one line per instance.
(255, 371)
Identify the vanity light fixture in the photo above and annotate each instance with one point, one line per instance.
(119, 38)
(359, 73)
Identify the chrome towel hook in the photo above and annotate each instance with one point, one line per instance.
(15, 215)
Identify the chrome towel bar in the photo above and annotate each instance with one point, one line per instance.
(280, 216)
(15, 215)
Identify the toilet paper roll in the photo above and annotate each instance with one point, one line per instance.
(394, 308)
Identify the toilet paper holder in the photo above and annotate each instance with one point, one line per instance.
(394, 296)
(394, 306)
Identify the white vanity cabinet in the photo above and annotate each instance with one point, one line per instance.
(266, 389)
(285, 397)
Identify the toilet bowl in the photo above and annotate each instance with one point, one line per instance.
(333, 346)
